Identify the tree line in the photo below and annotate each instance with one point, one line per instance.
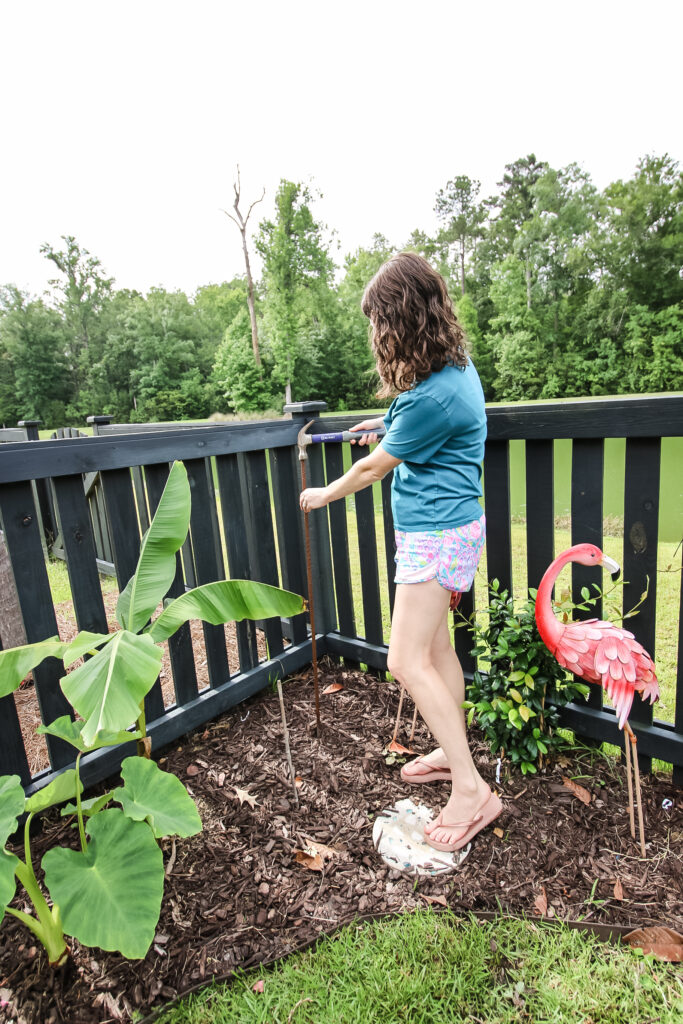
(563, 290)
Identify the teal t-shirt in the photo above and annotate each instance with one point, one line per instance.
(438, 430)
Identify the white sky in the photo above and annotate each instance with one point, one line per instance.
(122, 122)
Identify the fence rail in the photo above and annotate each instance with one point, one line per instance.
(245, 523)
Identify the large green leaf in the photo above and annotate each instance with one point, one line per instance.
(157, 563)
(72, 732)
(60, 789)
(152, 795)
(12, 801)
(85, 643)
(226, 601)
(8, 886)
(88, 807)
(107, 690)
(17, 662)
(109, 896)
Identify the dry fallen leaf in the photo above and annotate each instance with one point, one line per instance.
(313, 855)
(441, 900)
(577, 790)
(333, 688)
(541, 903)
(498, 832)
(665, 943)
(221, 778)
(245, 797)
(313, 863)
(396, 748)
(192, 769)
(298, 781)
(618, 890)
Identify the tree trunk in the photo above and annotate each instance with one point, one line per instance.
(462, 265)
(288, 393)
(527, 274)
(12, 633)
(250, 300)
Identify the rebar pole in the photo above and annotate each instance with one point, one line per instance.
(311, 609)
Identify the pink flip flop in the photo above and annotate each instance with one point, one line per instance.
(433, 775)
(488, 811)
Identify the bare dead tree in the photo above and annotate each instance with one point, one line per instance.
(241, 223)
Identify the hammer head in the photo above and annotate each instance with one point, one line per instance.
(304, 439)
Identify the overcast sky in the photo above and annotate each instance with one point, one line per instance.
(122, 123)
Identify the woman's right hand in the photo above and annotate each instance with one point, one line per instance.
(369, 426)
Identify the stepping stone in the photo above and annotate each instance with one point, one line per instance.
(398, 835)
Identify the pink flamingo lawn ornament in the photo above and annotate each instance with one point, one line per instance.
(600, 652)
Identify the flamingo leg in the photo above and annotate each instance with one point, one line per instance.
(412, 728)
(636, 772)
(629, 783)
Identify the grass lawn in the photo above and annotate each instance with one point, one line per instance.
(427, 968)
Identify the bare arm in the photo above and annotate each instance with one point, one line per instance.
(363, 473)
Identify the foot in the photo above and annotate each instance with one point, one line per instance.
(456, 818)
(436, 761)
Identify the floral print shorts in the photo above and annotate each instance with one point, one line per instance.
(449, 556)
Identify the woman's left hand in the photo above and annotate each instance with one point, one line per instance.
(313, 497)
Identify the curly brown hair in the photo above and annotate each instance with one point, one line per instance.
(414, 328)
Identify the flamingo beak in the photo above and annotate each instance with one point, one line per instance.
(612, 567)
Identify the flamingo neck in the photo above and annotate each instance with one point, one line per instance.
(548, 626)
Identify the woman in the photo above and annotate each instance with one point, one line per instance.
(434, 443)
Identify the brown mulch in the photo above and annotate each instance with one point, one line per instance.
(236, 894)
(27, 703)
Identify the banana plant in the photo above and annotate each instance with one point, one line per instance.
(108, 893)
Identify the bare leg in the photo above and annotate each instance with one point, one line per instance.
(447, 664)
(417, 658)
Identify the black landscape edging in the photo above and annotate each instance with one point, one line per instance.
(611, 933)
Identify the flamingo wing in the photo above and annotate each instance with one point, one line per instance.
(604, 653)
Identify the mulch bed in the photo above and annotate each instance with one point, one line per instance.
(236, 894)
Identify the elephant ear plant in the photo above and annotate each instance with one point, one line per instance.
(108, 893)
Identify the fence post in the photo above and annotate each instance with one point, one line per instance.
(95, 422)
(42, 494)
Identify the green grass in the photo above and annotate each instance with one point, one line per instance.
(426, 968)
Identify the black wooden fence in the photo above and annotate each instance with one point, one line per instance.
(246, 524)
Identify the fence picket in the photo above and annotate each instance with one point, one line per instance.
(22, 526)
(367, 549)
(586, 517)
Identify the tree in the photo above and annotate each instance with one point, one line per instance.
(241, 223)
(297, 270)
(82, 291)
(237, 378)
(640, 243)
(462, 216)
(32, 338)
(515, 207)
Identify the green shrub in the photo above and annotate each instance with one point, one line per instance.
(516, 702)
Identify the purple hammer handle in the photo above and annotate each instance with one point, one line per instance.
(346, 435)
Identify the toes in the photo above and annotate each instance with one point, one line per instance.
(431, 825)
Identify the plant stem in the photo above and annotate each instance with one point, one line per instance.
(81, 829)
(144, 743)
(47, 928)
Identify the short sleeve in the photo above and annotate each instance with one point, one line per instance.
(419, 427)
